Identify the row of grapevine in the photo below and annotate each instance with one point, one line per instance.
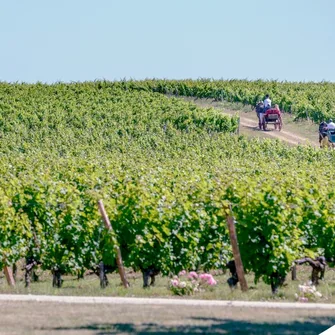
(170, 219)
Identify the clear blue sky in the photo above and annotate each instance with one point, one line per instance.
(78, 40)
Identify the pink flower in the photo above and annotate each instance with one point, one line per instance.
(192, 275)
(204, 276)
(174, 282)
(182, 273)
(211, 281)
(208, 278)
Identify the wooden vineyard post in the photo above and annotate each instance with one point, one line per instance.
(9, 276)
(294, 272)
(236, 252)
(118, 254)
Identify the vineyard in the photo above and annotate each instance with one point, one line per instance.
(167, 171)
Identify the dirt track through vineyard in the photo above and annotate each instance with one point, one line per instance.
(282, 135)
(294, 133)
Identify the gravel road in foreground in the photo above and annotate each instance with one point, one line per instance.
(169, 302)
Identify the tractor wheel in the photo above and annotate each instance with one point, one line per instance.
(280, 125)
